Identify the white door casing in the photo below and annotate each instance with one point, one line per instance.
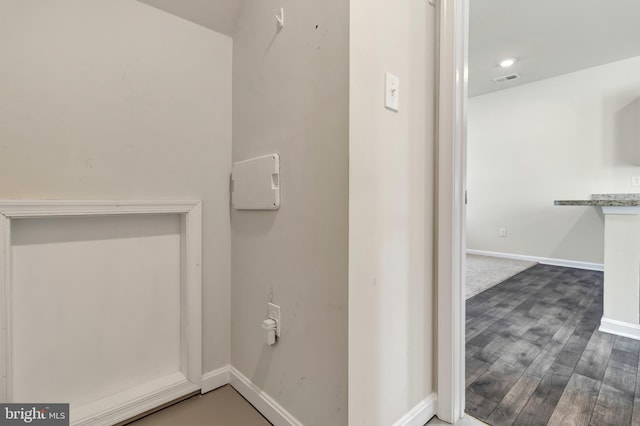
(451, 186)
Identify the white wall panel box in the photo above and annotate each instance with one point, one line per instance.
(255, 183)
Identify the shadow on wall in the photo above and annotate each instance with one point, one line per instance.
(56, 230)
(587, 229)
(622, 135)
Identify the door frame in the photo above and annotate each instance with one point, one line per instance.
(452, 77)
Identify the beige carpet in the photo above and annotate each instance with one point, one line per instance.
(484, 272)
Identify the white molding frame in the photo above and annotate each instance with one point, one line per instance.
(589, 266)
(421, 413)
(266, 405)
(147, 396)
(620, 328)
(450, 222)
(140, 399)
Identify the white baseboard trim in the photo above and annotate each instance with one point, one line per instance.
(215, 379)
(620, 328)
(420, 414)
(130, 403)
(269, 408)
(126, 405)
(590, 266)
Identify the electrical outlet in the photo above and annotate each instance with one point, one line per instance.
(635, 180)
(274, 314)
(503, 232)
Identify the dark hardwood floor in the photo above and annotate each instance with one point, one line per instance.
(535, 357)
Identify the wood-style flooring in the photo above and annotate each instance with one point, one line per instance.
(535, 357)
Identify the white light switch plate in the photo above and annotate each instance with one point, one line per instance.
(635, 180)
(392, 92)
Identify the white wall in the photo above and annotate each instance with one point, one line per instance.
(290, 95)
(102, 295)
(562, 138)
(391, 167)
(218, 15)
(118, 100)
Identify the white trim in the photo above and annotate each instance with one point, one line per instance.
(450, 213)
(590, 266)
(135, 401)
(215, 379)
(159, 391)
(37, 208)
(6, 319)
(266, 405)
(621, 210)
(421, 413)
(620, 328)
(191, 289)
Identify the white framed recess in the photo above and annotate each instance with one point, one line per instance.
(135, 400)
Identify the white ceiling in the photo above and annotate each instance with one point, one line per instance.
(218, 15)
(547, 37)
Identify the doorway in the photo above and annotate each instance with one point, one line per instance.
(453, 106)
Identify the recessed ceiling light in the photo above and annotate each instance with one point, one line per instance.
(506, 63)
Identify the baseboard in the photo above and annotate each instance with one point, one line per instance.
(590, 266)
(128, 404)
(266, 405)
(420, 414)
(269, 408)
(215, 379)
(141, 399)
(620, 328)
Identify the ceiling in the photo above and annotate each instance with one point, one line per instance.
(218, 15)
(547, 37)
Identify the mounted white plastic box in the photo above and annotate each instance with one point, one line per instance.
(255, 183)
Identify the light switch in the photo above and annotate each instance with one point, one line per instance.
(392, 92)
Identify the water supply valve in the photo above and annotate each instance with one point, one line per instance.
(270, 326)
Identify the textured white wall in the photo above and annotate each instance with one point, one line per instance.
(562, 138)
(290, 95)
(391, 169)
(118, 100)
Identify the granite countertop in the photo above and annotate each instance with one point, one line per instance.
(604, 200)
